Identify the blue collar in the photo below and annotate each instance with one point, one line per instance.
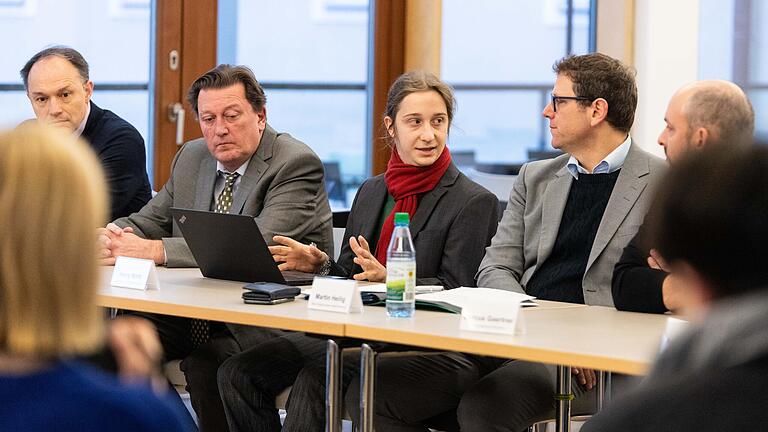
(613, 162)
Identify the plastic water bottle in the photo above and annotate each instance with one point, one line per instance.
(401, 270)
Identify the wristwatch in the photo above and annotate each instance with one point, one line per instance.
(325, 268)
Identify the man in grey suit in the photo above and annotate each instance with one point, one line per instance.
(241, 165)
(564, 227)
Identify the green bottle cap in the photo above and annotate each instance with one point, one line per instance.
(401, 219)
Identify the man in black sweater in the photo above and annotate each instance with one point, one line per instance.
(58, 86)
(699, 115)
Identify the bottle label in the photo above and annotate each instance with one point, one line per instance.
(401, 281)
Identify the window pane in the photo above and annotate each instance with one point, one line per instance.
(99, 30)
(499, 57)
(758, 42)
(297, 40)
(14, 108)
(316, 91)
(503, 134)
(732, 43)
(490, 41)
(759, 100)
(716, 18)
(332, 124)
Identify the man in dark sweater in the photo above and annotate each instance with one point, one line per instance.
(58, 86)
(700, 115)
(565, 226)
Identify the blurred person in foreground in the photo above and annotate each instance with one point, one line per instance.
(711, 229)
(51, 185)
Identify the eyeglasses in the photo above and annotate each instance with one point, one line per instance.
(556, 99)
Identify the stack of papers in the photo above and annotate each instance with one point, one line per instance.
(456, 299)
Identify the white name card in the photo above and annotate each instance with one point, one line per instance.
(134, 273)
(335, 295)
(493, 317)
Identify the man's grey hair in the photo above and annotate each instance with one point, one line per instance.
(69, 54)
(723, 109)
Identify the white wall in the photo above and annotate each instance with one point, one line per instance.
(666, 57)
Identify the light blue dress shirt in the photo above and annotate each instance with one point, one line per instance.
(613, 162)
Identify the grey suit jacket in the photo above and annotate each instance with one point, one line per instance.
(283, 189)
(453, 224)
(531, 221)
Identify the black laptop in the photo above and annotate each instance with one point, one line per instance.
(231, 247)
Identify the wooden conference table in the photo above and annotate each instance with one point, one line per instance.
(564, 334)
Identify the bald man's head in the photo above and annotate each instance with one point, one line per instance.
(704, 113)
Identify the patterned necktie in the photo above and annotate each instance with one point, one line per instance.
(224, 202)
(200, 329)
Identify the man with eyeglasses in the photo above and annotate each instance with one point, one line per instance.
(564, 228)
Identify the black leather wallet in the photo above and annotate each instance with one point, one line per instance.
(269, 291)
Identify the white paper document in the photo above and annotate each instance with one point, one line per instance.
(469, 297)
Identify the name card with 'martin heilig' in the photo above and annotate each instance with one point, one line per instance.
(335, 295)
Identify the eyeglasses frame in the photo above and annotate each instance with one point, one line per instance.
(556, 98)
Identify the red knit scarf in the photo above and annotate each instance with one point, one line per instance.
(406, 183)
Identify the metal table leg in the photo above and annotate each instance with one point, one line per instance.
(333, 400)
(367, 379)
(564, 397)
(601, 390)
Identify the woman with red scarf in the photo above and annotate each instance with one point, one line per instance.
(452, 221)
(452, 218)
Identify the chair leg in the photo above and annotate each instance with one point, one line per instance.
(332, 387)
(367, 381)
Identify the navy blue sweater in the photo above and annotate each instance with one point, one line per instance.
(73, 397)
(120, 148)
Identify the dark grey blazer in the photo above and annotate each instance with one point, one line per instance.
(531, 221)
(283, 189)
(451, 228)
